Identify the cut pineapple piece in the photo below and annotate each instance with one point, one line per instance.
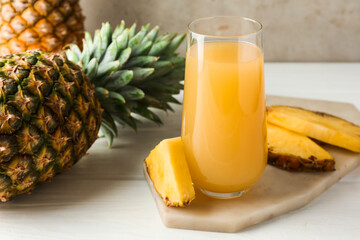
(169, 172)
(296, 152)
(317, 125)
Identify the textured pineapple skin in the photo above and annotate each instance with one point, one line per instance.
(294, 152)
(47, 25)
(168, 170)
(49, 117)
(295, 163)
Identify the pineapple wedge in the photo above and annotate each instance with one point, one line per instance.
(295, 152)
(169, 172)
(317, 125)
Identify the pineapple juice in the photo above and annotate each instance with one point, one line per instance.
(224, 125)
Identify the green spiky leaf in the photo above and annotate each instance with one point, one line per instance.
(146, 113)
(107, 68)
(101, 93)
(165, 37)
(85, 56)
(139, 36)
(119, 79)
(76, 51)
(151, 36)
(162, 68)
(89, 41)
(132, 31)
(110, 53)
(132, 71)
(118, 30)
(117, 96)
(124, 56)
(105, 34)
(174, 44)
(92, 68)
(141, 61)
(158, 48)
(122, 40)
(97, 52)
(132, 93)
(140, 74)
(107, 133)
(142, 49)
(71, 56)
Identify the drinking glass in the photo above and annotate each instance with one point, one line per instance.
(224, 120)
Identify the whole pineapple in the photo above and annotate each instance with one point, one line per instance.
(51, 108)
(49, 117)
(39, 24)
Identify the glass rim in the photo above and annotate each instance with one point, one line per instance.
(260, 26)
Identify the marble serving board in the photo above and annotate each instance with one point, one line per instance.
(276, 193)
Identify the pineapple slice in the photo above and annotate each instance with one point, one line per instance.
(169, 172)
(317, 125)
(295, 152)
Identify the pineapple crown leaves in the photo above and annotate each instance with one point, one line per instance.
(132, 72)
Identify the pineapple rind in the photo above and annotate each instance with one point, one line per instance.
(168, 170)
(49, 118)
(46, 25)
(295, 152)
(320, 126)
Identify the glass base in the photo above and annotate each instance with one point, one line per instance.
(224, 195)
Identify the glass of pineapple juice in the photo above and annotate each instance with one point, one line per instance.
(224, 120)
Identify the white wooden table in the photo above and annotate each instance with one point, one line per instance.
(106, 197)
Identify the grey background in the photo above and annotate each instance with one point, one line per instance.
(295, 30)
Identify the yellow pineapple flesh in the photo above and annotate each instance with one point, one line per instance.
(296, 152)
(317, 125)
(168, 170)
